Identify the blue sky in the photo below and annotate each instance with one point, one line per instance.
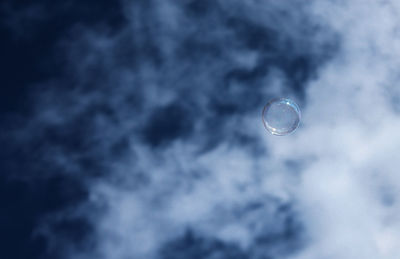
(133, 130)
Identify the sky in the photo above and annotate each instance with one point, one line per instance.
(132, 129)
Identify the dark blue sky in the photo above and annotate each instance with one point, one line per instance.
(31, 53)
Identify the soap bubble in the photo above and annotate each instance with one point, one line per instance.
(281, 116)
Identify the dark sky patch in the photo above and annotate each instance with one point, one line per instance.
(29, 45)
(192, 245)
(167, 124)
(25, 204)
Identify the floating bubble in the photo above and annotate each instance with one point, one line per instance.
(281, 116)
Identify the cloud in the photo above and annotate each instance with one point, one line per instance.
(352, 117)
(162, 125)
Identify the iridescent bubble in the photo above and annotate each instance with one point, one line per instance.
(281, 116)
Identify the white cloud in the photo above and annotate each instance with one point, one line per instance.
(352, 130)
